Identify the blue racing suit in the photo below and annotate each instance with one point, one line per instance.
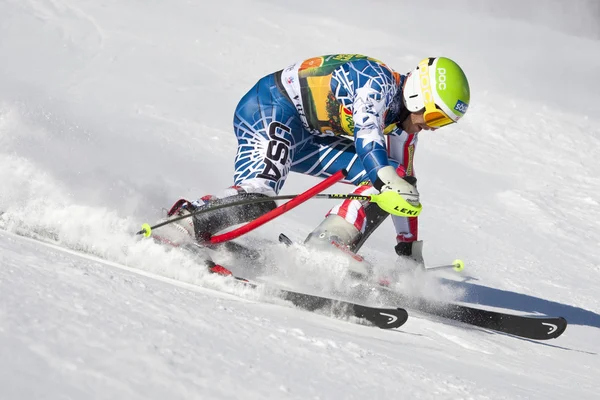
(319, 116)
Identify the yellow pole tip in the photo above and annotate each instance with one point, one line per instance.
(459, 265)
(147, 229)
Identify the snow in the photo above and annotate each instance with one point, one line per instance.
(110, 111)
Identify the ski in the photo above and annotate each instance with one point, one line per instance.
(525, 326)
(530, 327)
(384, 318)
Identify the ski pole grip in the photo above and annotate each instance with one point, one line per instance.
(285, 207)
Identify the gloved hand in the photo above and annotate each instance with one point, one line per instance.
(389, 180)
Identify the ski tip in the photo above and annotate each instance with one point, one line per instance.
(561, 328)
(146, 230)
(459, 265)
(391, 319)
(384, 318)
(285, 240)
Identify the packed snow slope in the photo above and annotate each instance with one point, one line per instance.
(110, 111)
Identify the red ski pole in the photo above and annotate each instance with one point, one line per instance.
(285, 207)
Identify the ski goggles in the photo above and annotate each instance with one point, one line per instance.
(434, 117)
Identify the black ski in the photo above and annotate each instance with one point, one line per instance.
(526, 326)
(384, 318)
(530, 327)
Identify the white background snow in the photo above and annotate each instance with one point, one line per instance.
(111, 110)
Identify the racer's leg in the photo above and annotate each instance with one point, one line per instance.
(268, 130)
(350, 222)
(347, 222)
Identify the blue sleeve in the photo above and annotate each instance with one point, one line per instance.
(373, 87)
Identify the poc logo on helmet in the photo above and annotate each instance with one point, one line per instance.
(424, 77)
(441, 78)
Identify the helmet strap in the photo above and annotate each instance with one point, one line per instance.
(402, 115)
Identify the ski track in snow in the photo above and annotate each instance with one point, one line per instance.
(110, 111)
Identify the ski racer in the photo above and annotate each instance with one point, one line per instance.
(324, 114)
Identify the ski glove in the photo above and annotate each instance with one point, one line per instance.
(389, 181)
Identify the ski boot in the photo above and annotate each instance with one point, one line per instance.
(199, 228)
(178, 233)
(411, 250)
(337, 235)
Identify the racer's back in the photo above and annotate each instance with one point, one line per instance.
(325, 91)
